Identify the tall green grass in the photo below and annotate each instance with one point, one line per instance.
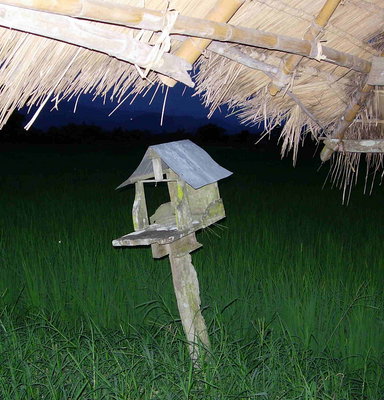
(44, 359)
(291, 283)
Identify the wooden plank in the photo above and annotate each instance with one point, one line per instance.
(155, 233)
(157, 181)
(355, 146)
(140, 18)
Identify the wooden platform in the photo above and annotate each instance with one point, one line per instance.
(155, 233)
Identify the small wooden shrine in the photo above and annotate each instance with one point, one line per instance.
(191, 176)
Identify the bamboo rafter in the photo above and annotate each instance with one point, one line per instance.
(234, 54)
(192, 48)
(151, 20)
(312, 33)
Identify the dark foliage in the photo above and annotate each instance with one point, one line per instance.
(209, 134)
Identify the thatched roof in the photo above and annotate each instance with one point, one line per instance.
(304, 63)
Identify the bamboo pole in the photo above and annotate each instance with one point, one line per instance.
(326, 13)
(192, 48)
(347, 118)
(312, 33)
(235, 54)
(98, 37)
(140, 18)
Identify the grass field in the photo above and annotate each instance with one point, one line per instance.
(291, 284)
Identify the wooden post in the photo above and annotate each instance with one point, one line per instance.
(139, 209)
(186, 286)
(184, 276)
(179, 198)
(157, 169)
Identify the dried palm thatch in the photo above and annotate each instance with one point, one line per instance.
(303, 64)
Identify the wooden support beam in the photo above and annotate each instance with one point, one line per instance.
(179, 198)
(139, 18)
(139, 209)
(98, 37)
(233, 53)
(157, 169)
(312, 33)
(192, 48)
(355, 146)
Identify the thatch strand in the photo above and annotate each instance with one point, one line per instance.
(344, 171)
(33, 65)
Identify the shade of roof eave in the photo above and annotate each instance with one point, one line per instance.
(152, 20)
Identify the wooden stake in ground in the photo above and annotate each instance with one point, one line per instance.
(187, 293)
(191, 177)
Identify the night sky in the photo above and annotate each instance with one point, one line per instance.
(181, 111)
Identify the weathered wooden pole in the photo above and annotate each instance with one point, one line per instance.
(187, 291)
(184, 276)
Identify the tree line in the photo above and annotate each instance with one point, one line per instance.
(14, 132)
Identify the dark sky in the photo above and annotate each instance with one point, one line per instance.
(181, 111)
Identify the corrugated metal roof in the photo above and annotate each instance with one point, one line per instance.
(193, 164)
